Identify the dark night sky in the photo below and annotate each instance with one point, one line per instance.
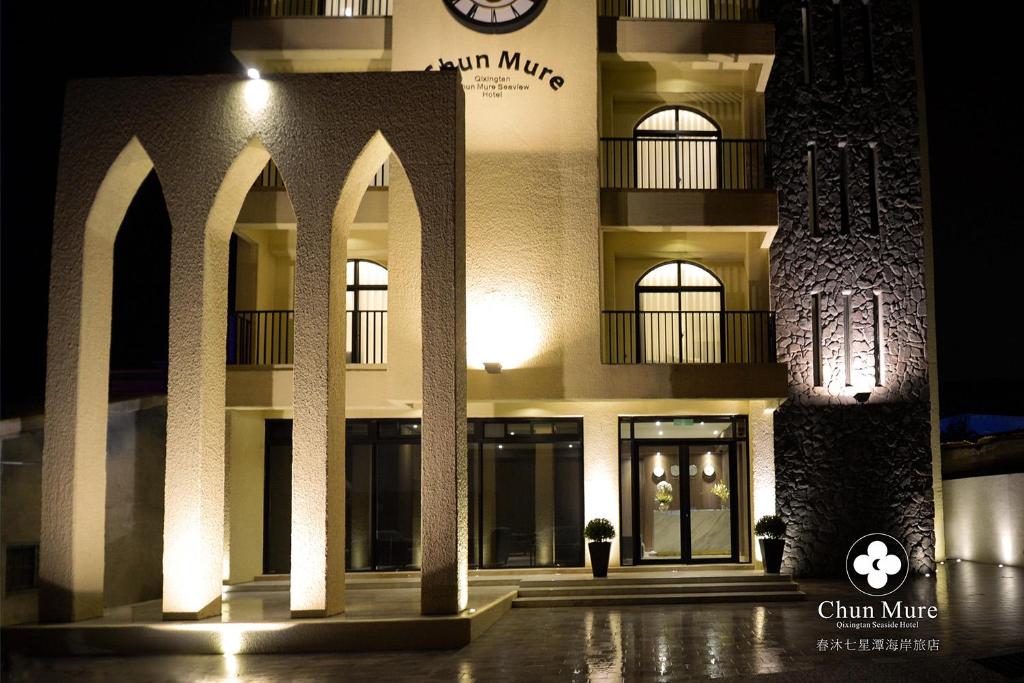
(974, 143)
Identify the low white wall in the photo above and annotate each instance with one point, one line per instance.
(985, 518)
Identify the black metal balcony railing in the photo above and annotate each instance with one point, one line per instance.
(683, 164)
(270, 178)
(268, 338)
(315, 8)
(692, 10)
(628, 337)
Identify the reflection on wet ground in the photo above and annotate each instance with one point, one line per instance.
(981, 612)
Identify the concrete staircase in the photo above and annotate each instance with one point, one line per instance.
(662, 589)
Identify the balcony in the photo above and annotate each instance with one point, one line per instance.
(687, 10)
(722, 34)
(267, 338)
(687, 337)
(688, 182)
(313, 35)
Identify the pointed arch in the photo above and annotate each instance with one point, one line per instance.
(194, 526)
(78, 371)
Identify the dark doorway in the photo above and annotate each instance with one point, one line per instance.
(277, 497)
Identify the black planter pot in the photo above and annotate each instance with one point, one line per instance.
(771, 551)
(599, 558)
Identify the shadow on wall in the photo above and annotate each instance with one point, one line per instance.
(843, 472)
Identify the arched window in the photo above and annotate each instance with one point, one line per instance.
(366, 299)
(679, 308)
(677, 148)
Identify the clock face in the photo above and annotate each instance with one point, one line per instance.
(495, 16)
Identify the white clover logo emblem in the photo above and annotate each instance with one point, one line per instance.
(878, 565)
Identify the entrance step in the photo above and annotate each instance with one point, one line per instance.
(659, 589)
(616, 591)
(655, 579)
(658, 599)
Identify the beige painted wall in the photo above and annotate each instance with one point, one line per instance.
(984, 518)
(243, 491)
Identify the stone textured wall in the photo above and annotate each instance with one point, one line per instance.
(845, 469)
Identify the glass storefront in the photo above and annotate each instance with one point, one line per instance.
(525, 494)
(684, 489)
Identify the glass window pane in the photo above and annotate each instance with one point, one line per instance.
(357, 428)
(682, 428)
(398, 506)
(567, 427)
(661, 502)
(473, 475)
(358, 506)
(519, 429)
(568, 531)
(711, 487)
(543, 428)
(494, 430)
(371, 273)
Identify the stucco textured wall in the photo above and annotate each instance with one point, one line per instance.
(207, 138)
(829, 492)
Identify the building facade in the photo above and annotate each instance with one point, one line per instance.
(664, 262)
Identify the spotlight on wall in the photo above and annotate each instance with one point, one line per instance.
(862, 397)
(492, 368)
(253, 73)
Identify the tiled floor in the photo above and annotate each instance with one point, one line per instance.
(981, 611)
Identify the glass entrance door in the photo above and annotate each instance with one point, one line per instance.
(686, 509)
(661, 501)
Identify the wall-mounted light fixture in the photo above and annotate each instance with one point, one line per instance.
(658, 471)
(709, 470)
(253, 73)
(492, 368)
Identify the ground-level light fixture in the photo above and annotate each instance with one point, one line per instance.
(253, 73)
(862, 397)
(492, 368)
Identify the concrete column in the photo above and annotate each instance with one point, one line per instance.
(444, 520)
(761, 423)
(318, 436)
(601, 473)
(194, 477)
(78, 357)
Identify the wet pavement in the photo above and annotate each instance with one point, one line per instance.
(980, 613)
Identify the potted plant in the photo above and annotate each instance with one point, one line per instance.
(663, 495)
(771, 535)
(599, 532)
